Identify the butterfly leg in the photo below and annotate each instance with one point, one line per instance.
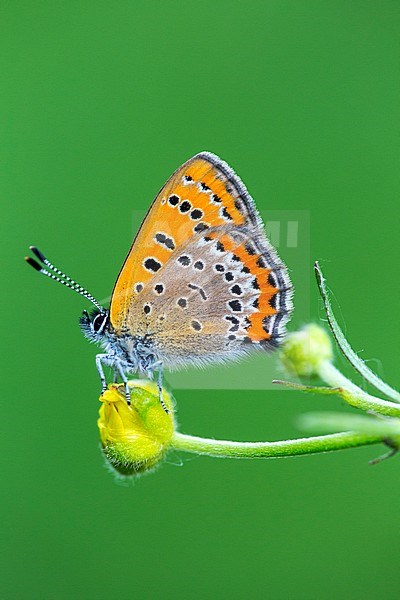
(125, 382)
(99, 359)
(159, 367)
(160, 391)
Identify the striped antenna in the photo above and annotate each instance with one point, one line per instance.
(54, 273)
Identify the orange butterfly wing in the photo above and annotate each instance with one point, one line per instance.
(204, 192)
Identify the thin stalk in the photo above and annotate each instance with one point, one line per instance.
(330, 422)
(280, 449)
(354, 395)
(345, 347)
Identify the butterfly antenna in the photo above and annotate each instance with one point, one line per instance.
(54, 273)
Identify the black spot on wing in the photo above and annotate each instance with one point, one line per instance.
(196, 214)
(250, 249)
(271, 279)
(225, 214)
(173, 200)
(235, 305)
(185, 206)
(199, 289)
(200, 227)
(273, 300)
(196, 325)
(182, 302)
(237, 290)
(184, 260)
(165, 241)
(151, 264)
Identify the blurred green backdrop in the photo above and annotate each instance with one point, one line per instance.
(100, 103)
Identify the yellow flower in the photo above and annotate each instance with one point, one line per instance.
(135, 438)
(304, 351)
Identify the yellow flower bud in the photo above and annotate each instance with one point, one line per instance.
(135, 438)
(304, 351)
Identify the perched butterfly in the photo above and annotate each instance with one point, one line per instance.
(201, 283)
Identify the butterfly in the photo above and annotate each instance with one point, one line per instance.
(201, 283)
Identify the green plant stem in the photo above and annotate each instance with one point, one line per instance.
(345, 347)
(280, 449)
(354, 395)
(331, 422)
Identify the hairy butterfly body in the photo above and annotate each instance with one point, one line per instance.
(201, 283)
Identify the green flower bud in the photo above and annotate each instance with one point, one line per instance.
(304, 351)
(135, 438)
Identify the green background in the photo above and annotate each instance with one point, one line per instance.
(100, 102)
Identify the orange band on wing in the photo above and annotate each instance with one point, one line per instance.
(256, 330)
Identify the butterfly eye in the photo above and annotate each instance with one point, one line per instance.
(99, 322)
